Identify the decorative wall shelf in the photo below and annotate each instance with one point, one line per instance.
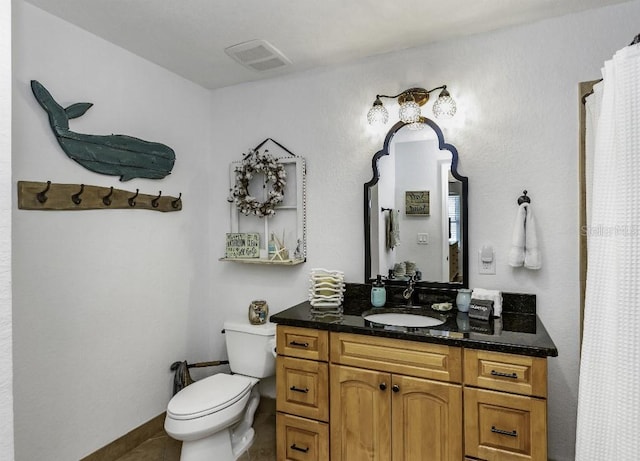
(58, 197)
(290, 217)
(286, 262)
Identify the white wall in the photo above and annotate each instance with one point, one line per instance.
(517, 128)
(6, 378)
(104, 301)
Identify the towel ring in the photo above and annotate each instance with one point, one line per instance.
(524, 198)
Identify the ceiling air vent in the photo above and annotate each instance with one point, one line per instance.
(258, 55)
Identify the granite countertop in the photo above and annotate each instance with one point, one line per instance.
(514, 332)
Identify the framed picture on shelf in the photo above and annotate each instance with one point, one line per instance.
(242, 245)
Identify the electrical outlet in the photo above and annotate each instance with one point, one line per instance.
(423, 239)
(486, 262)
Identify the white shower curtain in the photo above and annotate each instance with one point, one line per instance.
(609, 394)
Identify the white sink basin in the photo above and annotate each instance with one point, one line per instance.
(403, 320)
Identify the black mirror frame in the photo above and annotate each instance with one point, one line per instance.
(442, 145)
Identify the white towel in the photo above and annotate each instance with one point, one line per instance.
(532, 258)
(516, 254)
(490, 295)
(524, 242)
(393, 230)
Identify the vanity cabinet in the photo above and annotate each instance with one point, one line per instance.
(352, 397)
(385, 407)
(302, 394)
(505, 406)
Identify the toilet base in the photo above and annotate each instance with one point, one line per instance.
(217, 446)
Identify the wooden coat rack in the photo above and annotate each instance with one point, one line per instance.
(51, 196)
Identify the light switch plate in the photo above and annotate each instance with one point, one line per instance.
(423, 239)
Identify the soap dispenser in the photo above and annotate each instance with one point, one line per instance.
(378, 293)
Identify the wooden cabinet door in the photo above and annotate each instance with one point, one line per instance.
(505, 427)
(301, 439)
(360, 414)
(426, 420)
(302, 388)
(304, 343)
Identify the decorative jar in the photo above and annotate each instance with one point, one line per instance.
(258, 312)
(463, 300)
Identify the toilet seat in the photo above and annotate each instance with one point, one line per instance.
(209, 395)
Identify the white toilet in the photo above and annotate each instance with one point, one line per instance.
(213, 416)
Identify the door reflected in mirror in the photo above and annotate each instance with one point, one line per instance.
(416, 210)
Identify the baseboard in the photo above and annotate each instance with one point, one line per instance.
(129, 441)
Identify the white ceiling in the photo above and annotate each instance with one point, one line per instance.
(188, 37)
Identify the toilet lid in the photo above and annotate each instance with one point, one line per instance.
(209, 395)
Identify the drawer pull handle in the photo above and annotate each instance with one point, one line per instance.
(395, 388)
(512, 433)
(297, 389)
(303, 450)
(504, 375)
(383, 386)
(297, 344)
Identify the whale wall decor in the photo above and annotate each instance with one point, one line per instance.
(116, 155)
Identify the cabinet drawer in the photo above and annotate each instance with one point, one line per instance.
(412, 358)
(302, 388)
(519, 374)
(504, 427)
(305, 343)
(300, 439)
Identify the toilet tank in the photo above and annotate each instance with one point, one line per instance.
(250, 348)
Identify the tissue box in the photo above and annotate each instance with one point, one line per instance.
(480, 309)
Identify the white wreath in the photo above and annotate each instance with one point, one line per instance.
(255, 162)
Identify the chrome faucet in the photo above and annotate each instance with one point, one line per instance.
(408, 292)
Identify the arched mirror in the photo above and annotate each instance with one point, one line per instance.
(415, 210)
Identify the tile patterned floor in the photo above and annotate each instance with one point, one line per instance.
(161, 447)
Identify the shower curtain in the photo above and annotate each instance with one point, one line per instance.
(608, 426)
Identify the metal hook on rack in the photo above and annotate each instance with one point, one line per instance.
(75, 198)
(524, 198)
(107, 198)
(154, 202)
(176, 203)
(132, 200)
(42, 196)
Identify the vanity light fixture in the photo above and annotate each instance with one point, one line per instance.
(410, 101)
(378, 114)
